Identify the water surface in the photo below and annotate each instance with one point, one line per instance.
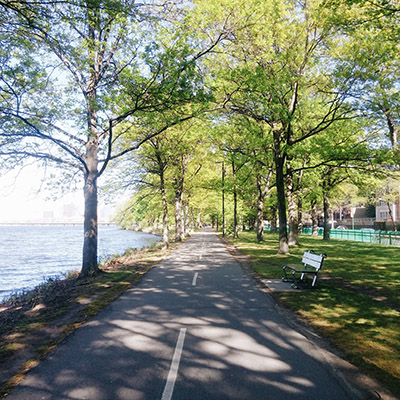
(30, 254)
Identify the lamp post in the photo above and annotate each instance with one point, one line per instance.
(223, 196)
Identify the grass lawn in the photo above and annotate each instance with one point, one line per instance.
(356, 302)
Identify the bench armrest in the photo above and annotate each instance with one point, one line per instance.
(289, 267)
(306, 271)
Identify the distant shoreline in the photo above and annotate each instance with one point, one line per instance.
(4, 223)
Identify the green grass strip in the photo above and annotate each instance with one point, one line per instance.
(356, 303)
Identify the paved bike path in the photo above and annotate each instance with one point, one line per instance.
(196, 327)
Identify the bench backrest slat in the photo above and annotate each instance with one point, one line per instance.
(313, 260)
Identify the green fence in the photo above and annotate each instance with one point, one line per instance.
(308, 231)
(358, 235)
(369, 236)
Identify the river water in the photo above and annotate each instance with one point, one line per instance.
(31, 254)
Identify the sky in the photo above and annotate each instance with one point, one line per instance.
(24, 199)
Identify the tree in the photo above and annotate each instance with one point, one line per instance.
(170, 165)
(343, 153)
(270, 72)
(370, 36)
(82, 73)
(154, 159)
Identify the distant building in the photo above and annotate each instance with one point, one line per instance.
(361, 218)
(387, 212)
(70, 210)
(48, 215)
(354, 217)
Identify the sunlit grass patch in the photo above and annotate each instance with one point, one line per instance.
(368, 265)
(367, 331)
(356, 303)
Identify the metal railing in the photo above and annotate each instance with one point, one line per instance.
(308, 231)
(359, 235)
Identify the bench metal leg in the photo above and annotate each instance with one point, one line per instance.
(294, 286)
(314, 280)
(286, 278)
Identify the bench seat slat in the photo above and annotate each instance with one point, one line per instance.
(314, 264)
(312, 257)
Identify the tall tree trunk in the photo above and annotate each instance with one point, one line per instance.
(161, 168)
(261, 193)
(280, 189)
(235, 218)
(186, 217)
(223, 199)
(260, 211)
(90, 223)
(326, 216)
(178, 215)
(252, 223)
(89, 256)
(393, 129)
(273, 220)
(391, 216)
(198, 221)
(235, 215)
(314, 217)
(300, 214)
(165, 212)
(292, 210)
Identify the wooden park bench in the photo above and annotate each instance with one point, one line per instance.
(312, 263)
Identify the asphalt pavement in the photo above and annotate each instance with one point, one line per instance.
(196, 327)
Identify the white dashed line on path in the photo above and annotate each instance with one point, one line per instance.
(173, 371)
(195, 279)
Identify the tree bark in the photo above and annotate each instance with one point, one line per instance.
(90, 223)
(300, 215)
(186, 217)
(252, 223)
(165, 212)
(89, 257)
(261, 193)
(393, 129)
(326, 216)
(178, 215)
(391, 216)
(260, 211)
(280, 190)
(292, 211)
(314, 217)
(273, 220)
(235, 215)
(198, 221)
(235, 218)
